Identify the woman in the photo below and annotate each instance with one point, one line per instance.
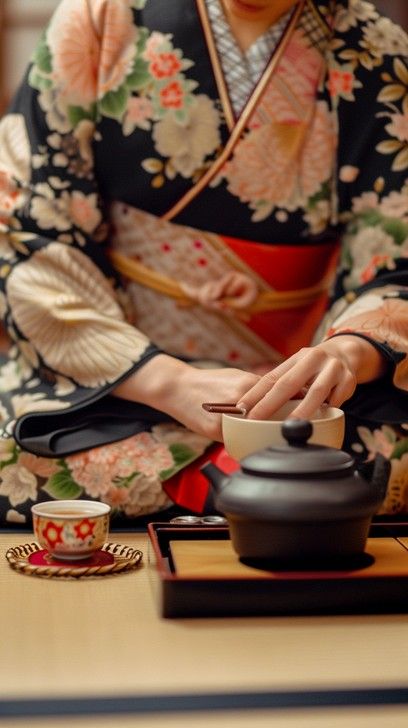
(185, 187)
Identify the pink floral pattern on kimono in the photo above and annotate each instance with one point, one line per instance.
(83, 68)
(300, 138)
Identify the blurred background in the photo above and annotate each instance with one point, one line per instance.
(21, 22)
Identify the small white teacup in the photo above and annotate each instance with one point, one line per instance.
(71, 529)
(243, 436)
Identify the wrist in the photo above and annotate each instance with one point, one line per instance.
(364, 359)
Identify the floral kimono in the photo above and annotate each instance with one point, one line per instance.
(145, 155)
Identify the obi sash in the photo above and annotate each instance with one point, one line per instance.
(299, 278)
(293, 283)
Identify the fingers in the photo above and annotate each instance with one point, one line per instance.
(322, 391)
(343, 391)
(275, 388)
(321, 377)
(268, 395)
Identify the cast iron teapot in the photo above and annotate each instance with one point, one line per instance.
(298, 500)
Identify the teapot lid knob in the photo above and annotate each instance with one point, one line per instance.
(297, 431)
(297, 457)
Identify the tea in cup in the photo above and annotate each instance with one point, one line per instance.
(243, 436)
(71, 530)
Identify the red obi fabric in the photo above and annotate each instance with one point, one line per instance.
(288, 268)
(190, 488)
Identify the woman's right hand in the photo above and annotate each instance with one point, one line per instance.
(179, 389)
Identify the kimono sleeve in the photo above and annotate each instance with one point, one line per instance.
(62, 306)
(373, 188)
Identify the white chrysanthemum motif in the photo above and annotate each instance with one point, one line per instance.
(187, 144)
(13, 516)
(366, 248)
(366, 201)
(51, 212)
(358, 10)
(384, 37)
(55, 110)
(15, 147)
(67, 309)
(18, 484)
(395, 205)
(145, 495)
(318, 216)
(10, 376)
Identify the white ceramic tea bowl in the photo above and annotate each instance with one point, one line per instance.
(243, 436)
(71, 529)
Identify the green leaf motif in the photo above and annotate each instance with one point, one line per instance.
(398, 229)
(143, 34)
(401, 447)
(166, 474)
(78, 113)
(371, 217)
(37, 81)
(43, 57)
(346, 259)
(126, 482)
(62, 486)
(139, 76)
(182, 454)
(114, 103)
(322, 194)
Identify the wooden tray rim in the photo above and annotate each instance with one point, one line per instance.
(315, 576)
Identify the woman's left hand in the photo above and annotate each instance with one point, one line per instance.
(326, 373)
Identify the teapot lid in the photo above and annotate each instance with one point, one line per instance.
(298, 457)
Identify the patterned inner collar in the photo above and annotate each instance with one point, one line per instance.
(242, 69)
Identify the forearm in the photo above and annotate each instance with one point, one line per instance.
(179, 389)
(155, 383)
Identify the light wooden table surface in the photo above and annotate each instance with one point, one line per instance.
(99, 638)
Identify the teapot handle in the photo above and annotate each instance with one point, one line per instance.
(377, 473)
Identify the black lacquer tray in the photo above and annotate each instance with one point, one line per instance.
(196, 573)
